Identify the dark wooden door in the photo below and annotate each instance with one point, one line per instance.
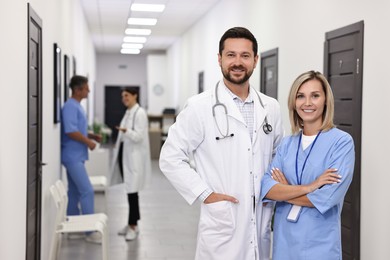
(66, 78)
(34, 150)
(343, 67)
(269, 73)
(114, 108)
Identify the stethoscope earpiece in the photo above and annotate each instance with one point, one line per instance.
(219, 138)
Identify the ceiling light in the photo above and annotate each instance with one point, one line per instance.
(142, 21)
(138, 31)
(130, 51)
(147, 8)
(134, 39)
(132, 46)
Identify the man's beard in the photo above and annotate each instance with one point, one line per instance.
(239, 81)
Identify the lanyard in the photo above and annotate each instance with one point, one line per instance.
(299, 180)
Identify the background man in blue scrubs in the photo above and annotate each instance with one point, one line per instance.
(75, 142)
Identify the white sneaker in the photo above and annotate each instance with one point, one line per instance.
(131, 234)
(94, 237)
(123, 231)
(136, 229)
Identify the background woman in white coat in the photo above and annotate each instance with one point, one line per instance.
(133, 156)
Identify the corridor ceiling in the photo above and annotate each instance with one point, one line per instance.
(107, 21)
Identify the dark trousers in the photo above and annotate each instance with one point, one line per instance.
(132, 198)
(134, 215)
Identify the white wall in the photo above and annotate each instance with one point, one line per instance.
(297, 28)
(199, 48)
(157, 75)
(63, 23)
(173, 73)
(108, 72)
(143, 70)
(13, 131)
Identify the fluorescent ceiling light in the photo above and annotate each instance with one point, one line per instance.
(134, 39)
(138, 31)
(132, 46)
(142, 21)
(130, 51)
(147, 8)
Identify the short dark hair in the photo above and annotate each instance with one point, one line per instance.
(78, 81)
(238, 32)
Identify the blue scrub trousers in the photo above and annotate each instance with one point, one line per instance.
(80, 189)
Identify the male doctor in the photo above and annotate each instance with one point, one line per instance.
(224, 129)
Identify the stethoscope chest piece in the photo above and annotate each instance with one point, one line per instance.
(267, 128)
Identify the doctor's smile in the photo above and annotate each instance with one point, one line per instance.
(238, 69)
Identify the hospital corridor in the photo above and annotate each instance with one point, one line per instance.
(90, 90)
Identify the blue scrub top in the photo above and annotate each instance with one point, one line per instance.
(317, 233)
(73, 119)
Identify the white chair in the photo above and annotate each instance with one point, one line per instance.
(84, 224)
(99, 183)
(64, 197)
(98, 167)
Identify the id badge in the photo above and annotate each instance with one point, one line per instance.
(294, 213)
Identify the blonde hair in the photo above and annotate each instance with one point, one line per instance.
(328, 114)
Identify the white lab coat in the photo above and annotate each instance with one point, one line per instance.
(136, 151)
(232, 166)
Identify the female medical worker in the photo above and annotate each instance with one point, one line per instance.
(310, 175)
(232, 147)
(133, 157)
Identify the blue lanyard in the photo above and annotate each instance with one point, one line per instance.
(299, 180)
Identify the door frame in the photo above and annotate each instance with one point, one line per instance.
(263, 56)
(33, 17)
(351, 29)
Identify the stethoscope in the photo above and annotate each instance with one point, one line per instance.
(135, 113)
(133, 123)
(267, 128)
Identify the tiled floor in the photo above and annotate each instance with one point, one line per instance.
(168, 225)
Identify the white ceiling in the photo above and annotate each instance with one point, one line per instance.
(107, 20)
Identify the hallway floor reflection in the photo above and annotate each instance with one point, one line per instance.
(168, 225)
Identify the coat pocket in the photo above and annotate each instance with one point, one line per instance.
(217, 218)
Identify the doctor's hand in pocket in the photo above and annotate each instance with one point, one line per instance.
(216, 197)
